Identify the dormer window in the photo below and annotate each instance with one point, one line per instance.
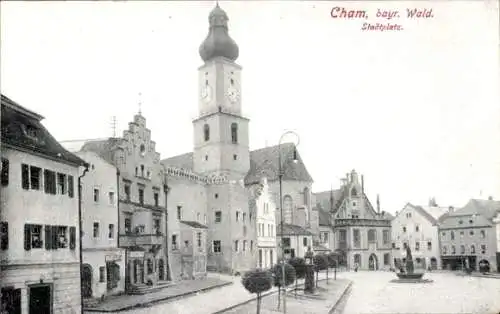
(143, 150)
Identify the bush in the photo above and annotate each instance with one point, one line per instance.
(320, 262)
(332, 260)
(257, 281)
(278, 274)
(300, 267)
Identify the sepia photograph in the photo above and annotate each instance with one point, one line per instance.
(234, 157)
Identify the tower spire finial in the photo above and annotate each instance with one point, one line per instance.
(140, 103)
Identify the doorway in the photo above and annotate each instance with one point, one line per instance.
(373, 262)
(11, 300)
(87, 281)
(40, 299)
(434, 263)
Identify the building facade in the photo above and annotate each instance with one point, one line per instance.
(468, 236)
(103, 269)
(362, 235)
(39, 245)
(417, 227)
(266, 226)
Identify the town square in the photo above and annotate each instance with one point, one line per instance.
(228, 157)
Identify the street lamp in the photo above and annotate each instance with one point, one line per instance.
(280, 177)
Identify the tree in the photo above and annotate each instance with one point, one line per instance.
(300, 269)
(320, 263)
(332, 260)
(257, 281)
(278, 276)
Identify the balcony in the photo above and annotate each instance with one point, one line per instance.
(141, 239)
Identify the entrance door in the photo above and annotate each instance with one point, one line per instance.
(434, 263)
(40, 299)
(87, 281)
(373, 262)
(161, 269)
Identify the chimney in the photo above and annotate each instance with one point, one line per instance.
(363, 184)
(451, 209)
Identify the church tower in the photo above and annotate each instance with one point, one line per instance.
(221, 148)
(220, 131)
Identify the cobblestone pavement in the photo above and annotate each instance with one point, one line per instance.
(203, 303)
(299, 305)
(372, 292)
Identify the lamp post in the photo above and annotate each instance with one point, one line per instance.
(280, 177)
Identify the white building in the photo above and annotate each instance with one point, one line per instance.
(103, 270)
(417, 226)
(39, 250)
(266, 226)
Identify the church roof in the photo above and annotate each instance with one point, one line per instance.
(322, 199)
(289, 229)
(22, 129)
(263, 162)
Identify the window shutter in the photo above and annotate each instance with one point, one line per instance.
(5, 172)
(25, 176)
(54, 237)
(4, 231)
(48, 237)
(72, 238)
(46, 181)
(71, 188)
(27, 237)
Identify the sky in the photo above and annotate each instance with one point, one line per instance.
(415, 111)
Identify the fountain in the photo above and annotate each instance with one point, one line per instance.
(409, 275)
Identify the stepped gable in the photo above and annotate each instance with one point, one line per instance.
(22, 129)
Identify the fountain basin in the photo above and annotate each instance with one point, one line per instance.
(410, 276)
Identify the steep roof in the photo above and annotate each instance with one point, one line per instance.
(485, 208)
(289, 229)
(435, 211)
(263, 161)
(323, 199)
(22, 129)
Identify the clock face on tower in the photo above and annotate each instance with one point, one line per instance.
(233, 94)
(206, 93)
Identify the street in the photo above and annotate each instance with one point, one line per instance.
(372, 292)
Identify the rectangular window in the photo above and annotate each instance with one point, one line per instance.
(244, 245)
(71, 186)
(386, 259)
(179, 212)
(198, 238)
(5, 172)
(417, 228)
(61, 183)
(111, 197)
(244, 216)
(286, 242)
(217, 246)
(157, 199)
(102, 274)
(32, 237)
(357, 238)
(62, 237)
(4, 235)
(304, 241)
(483, 249)
(174, 242)
(25, 176)
(429, 245)
(49, 181)
(417, 246)
(237, 216)
(96, 230)
(236, 242)
(141, 196)
(386, 236)
(218, 216)
(128, 225)
(35, 177)
(156, 227)
(127, 192)
(72, 238)
(96, 195)
(111, 231)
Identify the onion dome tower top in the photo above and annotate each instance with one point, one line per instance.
(218, 43)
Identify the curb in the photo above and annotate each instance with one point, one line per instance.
(265, 295)
(346, 292)
(168, 298)
(479, 276)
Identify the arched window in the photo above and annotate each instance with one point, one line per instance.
(306, 196)
(234, 133)
(206, 132)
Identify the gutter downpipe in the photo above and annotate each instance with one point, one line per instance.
(80, 242)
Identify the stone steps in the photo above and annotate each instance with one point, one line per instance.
(145, 289)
